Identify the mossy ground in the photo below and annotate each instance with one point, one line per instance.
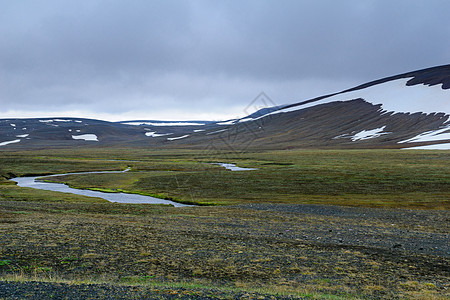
(362, 253)
(373, 178)
(354, 254)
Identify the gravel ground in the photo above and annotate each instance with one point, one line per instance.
(414, 231)
(44, 290)
(361, 252)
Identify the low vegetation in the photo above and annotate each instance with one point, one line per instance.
(257, 241)
(374, 178)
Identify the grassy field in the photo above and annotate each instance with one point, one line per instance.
(243, 242)
(373, 178)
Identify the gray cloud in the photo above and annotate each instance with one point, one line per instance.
(192, 57)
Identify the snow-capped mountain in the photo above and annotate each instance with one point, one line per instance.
(410, 110)
(384, 111)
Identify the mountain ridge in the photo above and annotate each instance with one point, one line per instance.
(366, 116)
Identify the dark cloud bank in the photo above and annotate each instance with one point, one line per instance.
(180, 59)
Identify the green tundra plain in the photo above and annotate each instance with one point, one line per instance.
(247, 235)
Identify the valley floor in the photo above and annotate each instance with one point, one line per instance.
(300, 250)
(286, 229)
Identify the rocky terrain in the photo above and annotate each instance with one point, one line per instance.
(358, 252)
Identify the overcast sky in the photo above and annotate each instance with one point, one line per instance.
(144, 59)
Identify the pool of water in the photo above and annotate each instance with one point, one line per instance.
(233, 167)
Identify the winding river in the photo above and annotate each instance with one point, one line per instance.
(34, 182)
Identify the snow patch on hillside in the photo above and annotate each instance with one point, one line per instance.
(443, 146)
(369, 134)
(217, 131)
(87, 137)
(429, 136)
(22, 135)
(178, 137)
(164, 123)
(364, 135)
(9, 142)
(248, 119)
(395, 96)
(154, 134)
(230, 122)
(56, 120)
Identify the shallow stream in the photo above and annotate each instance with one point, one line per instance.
(34, 182)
